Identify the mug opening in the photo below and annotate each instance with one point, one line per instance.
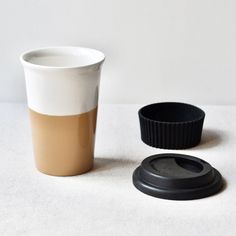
(62, 57)
(172, 112)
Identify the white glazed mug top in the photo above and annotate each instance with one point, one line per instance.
(62, 80)
(62, 57)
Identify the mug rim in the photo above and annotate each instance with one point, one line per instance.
(67, 50)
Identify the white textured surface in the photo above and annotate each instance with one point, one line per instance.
(104, 201)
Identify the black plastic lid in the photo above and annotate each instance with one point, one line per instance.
(177, 177)
(171, 125)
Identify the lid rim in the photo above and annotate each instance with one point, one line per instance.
(183, 194)
(199, 186)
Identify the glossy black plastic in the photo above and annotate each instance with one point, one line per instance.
(177, 177)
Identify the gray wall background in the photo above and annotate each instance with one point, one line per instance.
(155, 50)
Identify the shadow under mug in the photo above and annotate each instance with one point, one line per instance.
(62, 85)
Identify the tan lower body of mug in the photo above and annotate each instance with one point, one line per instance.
(63, 145)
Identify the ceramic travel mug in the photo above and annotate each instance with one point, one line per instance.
(62, 85)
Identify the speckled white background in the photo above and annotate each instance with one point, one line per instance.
(104, 201)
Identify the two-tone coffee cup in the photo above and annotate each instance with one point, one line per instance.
(62, 85)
